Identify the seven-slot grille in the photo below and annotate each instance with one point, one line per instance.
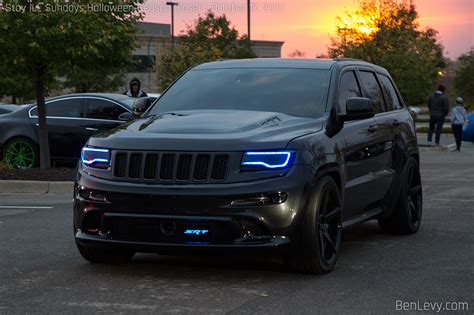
(170, 166)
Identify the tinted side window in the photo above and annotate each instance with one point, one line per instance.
(392, 97)
(372, 87)
(102, 109)
(71, 108)
(349, 88)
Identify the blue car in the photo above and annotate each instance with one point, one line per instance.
(468, 129)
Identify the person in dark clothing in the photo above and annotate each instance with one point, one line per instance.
(135, 89)
(458, 119)
(438, 104)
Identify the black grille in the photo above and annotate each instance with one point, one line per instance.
(151, 166)
(157, 229)
(202, 167)
(167, 167)
(184, 167)
(219, 169)
(170, 167)
(120, 164)
(135, 166)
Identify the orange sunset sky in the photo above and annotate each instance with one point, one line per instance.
(307, 25)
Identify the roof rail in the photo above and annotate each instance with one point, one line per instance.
(347, 59)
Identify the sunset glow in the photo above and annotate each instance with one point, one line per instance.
(360, 23)
(307, 25)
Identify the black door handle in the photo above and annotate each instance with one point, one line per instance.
(396, 123)
(372, 129)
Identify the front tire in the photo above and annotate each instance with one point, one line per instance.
(406, 217)
(104, 256)
(317, 249)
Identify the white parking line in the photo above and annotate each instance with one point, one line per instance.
(24, 207)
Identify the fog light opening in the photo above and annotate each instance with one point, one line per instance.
(92, 222)
(279, 197)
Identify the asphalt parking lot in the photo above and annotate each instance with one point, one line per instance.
(41, 271)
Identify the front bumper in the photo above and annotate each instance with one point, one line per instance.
(150, 218)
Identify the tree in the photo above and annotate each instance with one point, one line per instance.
(173, 62)
(94, 80)
(39, 43)
(297, 54)
(388, 34)
(210, 38)
(464, 79)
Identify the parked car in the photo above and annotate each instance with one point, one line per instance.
(253, 154)
(468, 129)
(8, 108)
(71, 119)
(415, 111)
(153, 96)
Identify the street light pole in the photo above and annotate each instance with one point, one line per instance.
(172, 5)
(248, 18)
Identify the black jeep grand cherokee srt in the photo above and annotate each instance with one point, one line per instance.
(253, 154)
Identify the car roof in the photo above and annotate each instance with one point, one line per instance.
(296, 63)
(322, 64)
(121, 98)
(112, 96)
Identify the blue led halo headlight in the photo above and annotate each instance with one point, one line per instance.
(95, 157)
(267, 160)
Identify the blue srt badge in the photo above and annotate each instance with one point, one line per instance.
(196, 232)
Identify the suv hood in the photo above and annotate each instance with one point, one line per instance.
(206, 130)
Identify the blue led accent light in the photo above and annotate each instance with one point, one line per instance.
(267, 159)
(92, 156)
(196, 232)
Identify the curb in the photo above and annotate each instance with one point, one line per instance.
(35, 187)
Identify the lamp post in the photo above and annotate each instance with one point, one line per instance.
(248, 18)
(172, 5)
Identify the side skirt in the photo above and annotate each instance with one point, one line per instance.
(366, 216)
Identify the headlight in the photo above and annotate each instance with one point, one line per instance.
(95, 157)
(261, 160)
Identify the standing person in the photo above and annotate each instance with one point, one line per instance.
(438, 104)
(458, 119)
(135, 89)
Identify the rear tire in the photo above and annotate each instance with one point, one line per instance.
(21, 153)
(406, 217)
(104, 256)
(317, 248)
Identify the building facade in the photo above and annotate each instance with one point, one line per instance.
(155, 37)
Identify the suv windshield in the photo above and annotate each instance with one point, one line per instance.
(296, 92)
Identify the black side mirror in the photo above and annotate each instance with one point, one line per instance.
(140, 106)
(125, 116)
(358, 108)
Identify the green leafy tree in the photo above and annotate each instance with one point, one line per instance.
(464, 78)
(39, 44)
(173, 62)
(15, 85)
(108, 41)
(94, 80)
(388, 34)
(210, 38)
